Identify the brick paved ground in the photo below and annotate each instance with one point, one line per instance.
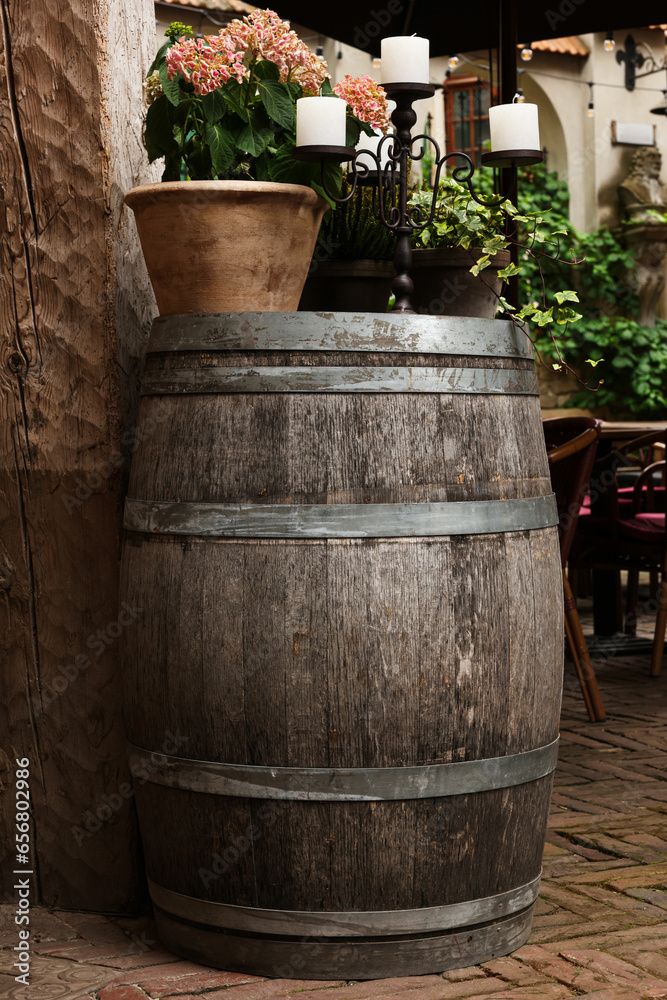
(600, 929)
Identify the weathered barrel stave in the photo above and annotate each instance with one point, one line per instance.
(344, 653)
(335, 856)
(345, 448)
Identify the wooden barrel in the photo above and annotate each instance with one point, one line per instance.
(342, 692)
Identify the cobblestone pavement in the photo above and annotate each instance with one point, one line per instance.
(600, 929)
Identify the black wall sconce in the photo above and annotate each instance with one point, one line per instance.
(634, 60)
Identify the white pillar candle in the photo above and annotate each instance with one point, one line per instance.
(514, 126)
(320, 121)
(405, 59)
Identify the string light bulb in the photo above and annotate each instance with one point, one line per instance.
(376, 63)
(590, 111)
(453, 62)
(609, 43)
(518, 97)
(527, 52)
(319, 52)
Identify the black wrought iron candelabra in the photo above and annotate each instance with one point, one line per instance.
(387, 170)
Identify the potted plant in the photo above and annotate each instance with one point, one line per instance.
(352, 269)
(463, 240)
(240, 211)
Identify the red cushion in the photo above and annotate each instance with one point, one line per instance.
(655, 519)
(645, 527)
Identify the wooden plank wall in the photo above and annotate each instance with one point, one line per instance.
(75, 306)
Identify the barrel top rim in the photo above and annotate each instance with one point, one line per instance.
(340, 331)
(400, 320)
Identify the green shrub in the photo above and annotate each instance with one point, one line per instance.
(629, 359)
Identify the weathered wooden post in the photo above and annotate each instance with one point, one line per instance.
(74, 305)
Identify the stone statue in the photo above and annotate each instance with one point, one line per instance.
(641, 193)
(644, 200)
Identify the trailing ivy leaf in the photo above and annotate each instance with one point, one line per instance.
(170, 87)
(480, 264)
(223, 149)
(493, 245)
(277, 102)
(508, 272)
(257, 133)
(214, 106)
(158, 136)
(567, 315)
(566, 296)
(266, 70)
(505, 306)
(543, 316)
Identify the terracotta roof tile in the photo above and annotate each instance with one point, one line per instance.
(571, 46)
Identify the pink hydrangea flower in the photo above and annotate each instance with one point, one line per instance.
(209, 62)
(367, 100)
(264, 35)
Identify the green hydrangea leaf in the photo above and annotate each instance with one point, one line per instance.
(158, 135)
(214, 106)
(257, 133)
(266, 70)
(278, 104)
(223, 148)
(170, 87)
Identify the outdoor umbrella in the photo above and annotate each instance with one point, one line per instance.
(460, 27)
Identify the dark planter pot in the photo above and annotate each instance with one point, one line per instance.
(348, 286)
(444, 285)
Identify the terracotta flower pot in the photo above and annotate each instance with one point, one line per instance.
(444, 285)
(348, 286)
(226, 246)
